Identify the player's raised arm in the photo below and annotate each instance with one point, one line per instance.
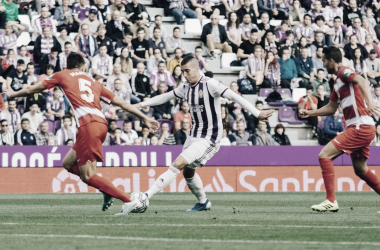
(157, 100)
(363, 84)
(32, 89)
(262, 115)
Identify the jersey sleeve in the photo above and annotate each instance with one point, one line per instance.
(52, 80)
(215, 88)
(106, 95)
(347, 75)
(180, 92)
(334, 96)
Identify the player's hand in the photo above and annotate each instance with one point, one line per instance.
(152, 125)
(265, 114)
(8, 92)
(137, 105)
(373, 109)
(304, 113)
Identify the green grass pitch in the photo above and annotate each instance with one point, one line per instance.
(258, 221)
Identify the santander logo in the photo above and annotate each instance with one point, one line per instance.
(218, 184)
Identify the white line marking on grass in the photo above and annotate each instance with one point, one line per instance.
(188, 225)
(105, 237)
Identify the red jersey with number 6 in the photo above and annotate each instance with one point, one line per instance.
(83, 93)
(351, 98)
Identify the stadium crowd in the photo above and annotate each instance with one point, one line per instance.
(136, 56)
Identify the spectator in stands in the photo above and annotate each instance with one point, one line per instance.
(24, 55)
(112, 126)
(215, 37)
(246, 48)
(162, 111)
(373, 65)
(158, 23)
(145, 140)
(351, 12)
(92, 21)
(247, 8)
(272, 71)
(69, 142)
(246, 28)
(129, 134)
(350, 47)
(264, 26)
(333, 126)
(135, 9)
(148, 111)
(44, 43)
(302, 44)
(63, 38)
(268, 43)
(305, 67)
(49, 72)
(66, 132)
(316, 11)
(175, 41)
(154, 140)
(62, 57)
(117, 74)
(252, 121)
(310, 102)
(139, 22)
(322, 96)
(176, 60)
(162, 75)
(41, 22)
(117, 138)
(320, 80)
(81, 11)
(103, 39)
(242, 137)
(30, 73)
(202, 8)
(184, 113)
(255, 68)
(9, 14)
(357, 62)
(376, 140)
(370, 45)
(23, 136)
(8, 40)
(357, 29)
(279, 135)
(86, 44)
(226, 118)
(55, 106)
(181, 134)
(340, 31)
(141, 48)
(64, 15)
(125, 95)
(51, 59)
(6, 136)
(104, 12)
(102, 63)
(320, 26)
(116, 27)
(179, 8)
(165, 137)
(318, 62)
(262, 137)
(34, 118)
(305, 30)
(203, 65)
(118, 5)
(225, 141)
(127, 42)
(16, 78)
(234, 32)
(12, 116)
(281, 33)
(140, 83)
(317, 43)
(333, 11)
(177, 75)
(43, 134)
(39, 98)
(125, 62)
(369, 30)
(157, 43)
(153, 61)
(370, 16)
(269, 7)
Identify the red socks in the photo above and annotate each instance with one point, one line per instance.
(107, 187)
(372, 180)
(328, 174)
(75, 170)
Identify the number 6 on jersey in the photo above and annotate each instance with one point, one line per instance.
(84, 86)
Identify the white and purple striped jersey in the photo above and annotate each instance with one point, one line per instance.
(205, 108)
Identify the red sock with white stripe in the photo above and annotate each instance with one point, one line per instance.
(106, 186)
(328, 174)
(372, 180)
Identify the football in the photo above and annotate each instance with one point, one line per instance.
(143, 202)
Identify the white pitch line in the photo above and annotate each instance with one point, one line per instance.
(190, 225)
(105, 237)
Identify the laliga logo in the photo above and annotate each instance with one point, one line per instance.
(223, 187)
(69, 187)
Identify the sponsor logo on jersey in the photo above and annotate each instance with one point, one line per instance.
(347, 72)
(200, 94)
(50, 76)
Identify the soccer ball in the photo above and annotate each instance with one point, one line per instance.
(143, 202)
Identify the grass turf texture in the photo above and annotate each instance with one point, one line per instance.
(259, 221)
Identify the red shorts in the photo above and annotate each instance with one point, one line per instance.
(355, 141)
(89, 141)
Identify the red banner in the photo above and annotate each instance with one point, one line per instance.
(215, 179)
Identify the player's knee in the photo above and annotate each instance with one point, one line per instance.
(84, 177)
(188, 173)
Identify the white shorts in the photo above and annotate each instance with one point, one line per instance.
(197, 151)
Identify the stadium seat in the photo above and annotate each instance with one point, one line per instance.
(275, 22)
(120, 123)
(23, 39)
(287, 93)
(321, 125)
(193, 27)
(298, 93)
(160, 121)
(170, 27)
(221, 22)
(37, 70)
(265, 92)
(242, 74)
(31, 30)
(21, 109)
(73, 35)
(191, 45)
(287, 114)
(51, 125)
(57, 124)
(251, 99)
(159, 11)
(146, 3)
(25, 20)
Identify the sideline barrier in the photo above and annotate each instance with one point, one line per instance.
(215, 179)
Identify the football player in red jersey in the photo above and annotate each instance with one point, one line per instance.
(352, 92)
(84, 94)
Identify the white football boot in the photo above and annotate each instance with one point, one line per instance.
(129, 206)
(326, 206)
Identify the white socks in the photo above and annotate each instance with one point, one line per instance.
(196, 186)
(163, 181)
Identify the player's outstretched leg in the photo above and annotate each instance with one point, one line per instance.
(328, 153)
(168, 177)
(195, 184)
(361, 170)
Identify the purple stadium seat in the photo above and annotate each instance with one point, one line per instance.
(285, 92)
(21, 109)
(57, 124)
(51, 125)
(37, 71)
(275, 104)
(168, 121)
(321, 125)
(265, 92)
(287, 114)
(120, 123)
